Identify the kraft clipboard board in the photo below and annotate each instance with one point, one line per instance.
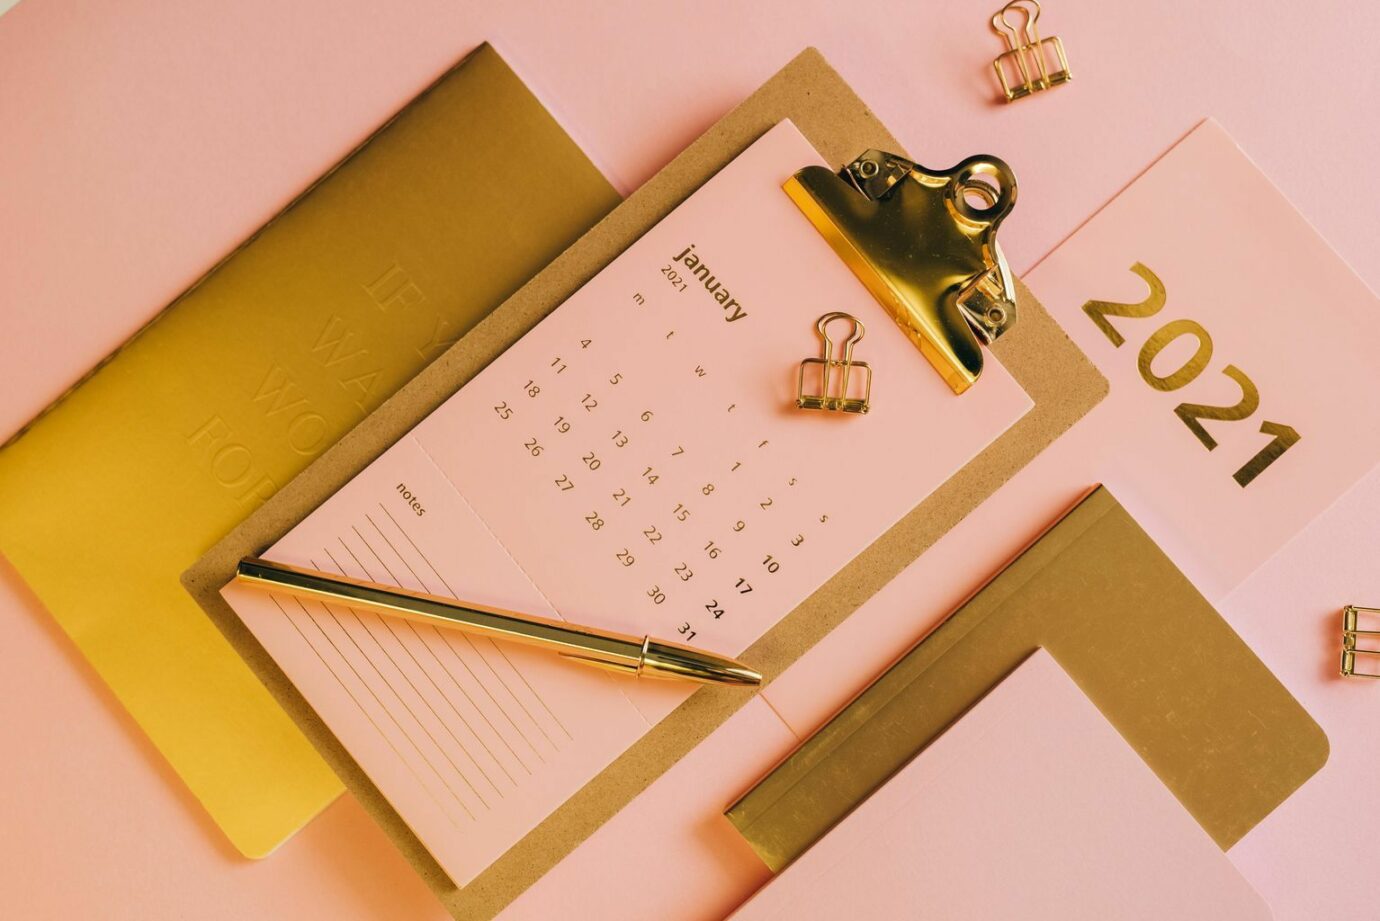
(1060, 381)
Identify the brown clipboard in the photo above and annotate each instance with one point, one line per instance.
(1059, 379)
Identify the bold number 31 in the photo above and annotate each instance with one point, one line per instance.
(1191, 413)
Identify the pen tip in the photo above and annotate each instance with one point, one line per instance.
(671, 660)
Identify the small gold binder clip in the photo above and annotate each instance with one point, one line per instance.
(836, 375)
(924, 243)
(1025, 67)
(1352, 638)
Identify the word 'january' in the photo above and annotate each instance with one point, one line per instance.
(692, 262)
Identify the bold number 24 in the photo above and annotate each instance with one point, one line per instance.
(1284, 436)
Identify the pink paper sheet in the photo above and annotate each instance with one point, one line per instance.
(1031, 807)
(1286, 333)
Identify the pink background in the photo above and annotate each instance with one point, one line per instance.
(143, 141)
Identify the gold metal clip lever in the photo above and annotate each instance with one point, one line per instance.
(924, 243)
(1024, 68)
(835, 372)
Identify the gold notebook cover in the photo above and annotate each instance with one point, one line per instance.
(1154, 656)
(278, 351)
(1060, 381)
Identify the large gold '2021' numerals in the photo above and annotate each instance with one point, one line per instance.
(1191, 414)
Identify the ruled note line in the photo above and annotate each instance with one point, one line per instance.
(406, 706)
(382, 706)
(455, 682)
(451, 593)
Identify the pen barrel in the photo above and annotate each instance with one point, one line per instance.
(607, 649)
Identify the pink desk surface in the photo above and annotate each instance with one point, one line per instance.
(143, 140)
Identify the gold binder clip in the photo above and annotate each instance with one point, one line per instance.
(1026, 53)
(835, 373)
(924, 243)
(1351, 618)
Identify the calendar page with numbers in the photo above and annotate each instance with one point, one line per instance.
(636, 462)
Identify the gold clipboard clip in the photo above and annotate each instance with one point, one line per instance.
(1352, 636)
(1027, 55)
(924, 243)
(834, 389)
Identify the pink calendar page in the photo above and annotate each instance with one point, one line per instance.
(636, 462)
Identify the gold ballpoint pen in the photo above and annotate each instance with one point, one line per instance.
(618, 652)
